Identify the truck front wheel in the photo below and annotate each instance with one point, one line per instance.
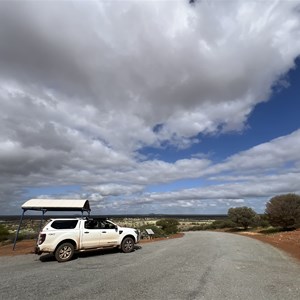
(127, 245)
(64, 252)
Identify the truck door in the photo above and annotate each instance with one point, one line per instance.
(109, 234)
(90, 235)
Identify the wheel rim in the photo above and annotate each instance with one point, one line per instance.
(128, 245)
(65, 252)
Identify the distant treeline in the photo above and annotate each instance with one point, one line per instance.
(150, 216)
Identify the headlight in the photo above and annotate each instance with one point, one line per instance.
(138, 233)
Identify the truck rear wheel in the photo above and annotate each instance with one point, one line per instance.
(127, 245)
(64, 252)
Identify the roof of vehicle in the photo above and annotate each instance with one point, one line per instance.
(57, 205)
(66, 219)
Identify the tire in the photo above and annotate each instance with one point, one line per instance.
(64, 252)
(127, 245)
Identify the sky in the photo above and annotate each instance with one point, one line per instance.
(150, 106)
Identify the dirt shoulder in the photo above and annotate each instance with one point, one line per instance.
(22, 247)
(287, 241)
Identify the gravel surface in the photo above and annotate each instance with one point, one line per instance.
(288, 241)
(201, 265)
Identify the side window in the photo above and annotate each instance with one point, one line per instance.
(66, 224)
(108, 225)
(98, 224)
(91, 224)
(103, 224)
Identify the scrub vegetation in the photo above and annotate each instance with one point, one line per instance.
(282, 213)
(4, 233)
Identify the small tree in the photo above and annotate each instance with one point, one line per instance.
(284, 210)
(169, 226)
(242, 216)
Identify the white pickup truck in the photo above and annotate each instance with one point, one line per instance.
(63, 237)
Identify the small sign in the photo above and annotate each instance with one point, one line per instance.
(149, 231)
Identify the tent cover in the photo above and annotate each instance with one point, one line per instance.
(57, 205)
(45, 205)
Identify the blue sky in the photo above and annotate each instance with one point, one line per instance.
(278, 116)
(195, 110)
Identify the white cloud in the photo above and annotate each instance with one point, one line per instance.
(272, 168)
(115, 189)
(191, 68)
(265, 157)
(82, 86)
(225, 195)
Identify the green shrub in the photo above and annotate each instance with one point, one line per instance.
(195, 228)
(210, 226)
(284, 211)
(3, 230)
(26, 235)
(242, 216)
(261, 221)
(271, 230)
(4, 233)
(221, 224)
(169, 226)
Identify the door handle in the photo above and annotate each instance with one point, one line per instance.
(103, 231)
(86, 232)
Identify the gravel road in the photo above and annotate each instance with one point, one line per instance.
(201, 265)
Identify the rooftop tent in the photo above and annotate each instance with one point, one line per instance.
(57, 205)
(45, 205)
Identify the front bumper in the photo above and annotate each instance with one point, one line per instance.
(138, 235)
(37, 250)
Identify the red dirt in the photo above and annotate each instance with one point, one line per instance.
(22, 247)
(288, 241)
